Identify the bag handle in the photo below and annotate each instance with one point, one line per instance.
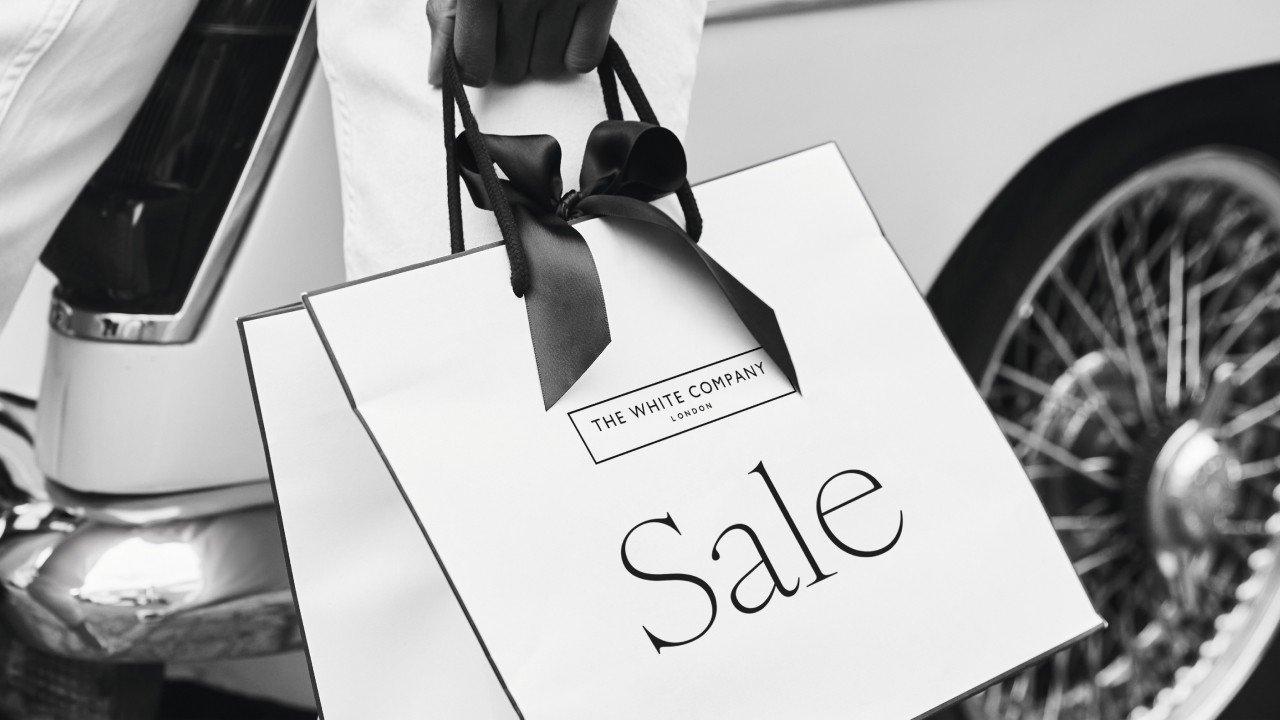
(613, 68)
(455, 95)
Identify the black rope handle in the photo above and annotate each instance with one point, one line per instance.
(452, 184)
(488, 174)
(613, 68)
(609, 86)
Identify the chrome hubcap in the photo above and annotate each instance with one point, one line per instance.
(1195, 483)
(1138, 382)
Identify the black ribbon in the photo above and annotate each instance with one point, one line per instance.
(627, 165)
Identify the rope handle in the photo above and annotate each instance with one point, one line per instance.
(456, 95)
(613, 68)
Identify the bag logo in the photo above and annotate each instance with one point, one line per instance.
(662, 410)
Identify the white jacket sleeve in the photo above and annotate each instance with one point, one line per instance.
(72, 74)
(389, 127)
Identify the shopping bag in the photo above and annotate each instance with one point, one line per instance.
(769, 490)
(385, 637)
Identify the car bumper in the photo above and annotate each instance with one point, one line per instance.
(173, 578)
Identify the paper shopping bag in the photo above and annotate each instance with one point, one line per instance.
(690, 531)
(385, 637)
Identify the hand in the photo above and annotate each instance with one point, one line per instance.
(509, 40)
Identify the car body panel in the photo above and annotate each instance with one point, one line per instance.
(937, 104)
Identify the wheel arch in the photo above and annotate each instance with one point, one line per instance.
(1240, 107)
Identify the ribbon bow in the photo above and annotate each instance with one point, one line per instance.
(626, 165)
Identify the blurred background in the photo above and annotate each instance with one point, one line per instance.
(1088, 194)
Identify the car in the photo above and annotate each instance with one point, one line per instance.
(1087, 193)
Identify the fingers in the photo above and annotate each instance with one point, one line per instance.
(474, 40)
(590, 35)
(551, 39)
(517, 20)
(507, 40)
(440, 16)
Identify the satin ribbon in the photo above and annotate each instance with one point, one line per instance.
(626, 165)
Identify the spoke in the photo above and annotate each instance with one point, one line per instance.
(1095, 560)
(1101, 401)
(1113, 585)
(1229, 218)
(1042, 471)
(1035, 385)
(1085, 468)
(1257, 361)
(1086, 523)
(994, 699)
(1018, 691)
(1195, 371)
(1272, 422)
(1087, 314)
(1220, 278)
(1259, 468)
(1251, 417)
(1137, 366)
(1173, 374)
(1154, 252)
(1057, 685)
(1223, 283)
(1242, 528)
(1093, 662)
(1251, 311)
(1150, 304)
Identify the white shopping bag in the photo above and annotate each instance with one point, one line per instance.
(385, 636)
(682, 535)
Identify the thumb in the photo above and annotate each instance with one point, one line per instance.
(440, 16)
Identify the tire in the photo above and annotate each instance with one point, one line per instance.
(1166, 535)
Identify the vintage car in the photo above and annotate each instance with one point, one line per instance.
(1088, 194)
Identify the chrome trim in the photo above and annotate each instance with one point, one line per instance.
(727, 10)
(207, 582)
(181, 326)
(152, 509)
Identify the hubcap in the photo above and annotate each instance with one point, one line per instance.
(1195, 482)
(1138, 381)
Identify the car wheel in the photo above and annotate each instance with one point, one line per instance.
(1135, 374)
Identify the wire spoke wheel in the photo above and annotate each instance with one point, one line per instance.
(1138, 380)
